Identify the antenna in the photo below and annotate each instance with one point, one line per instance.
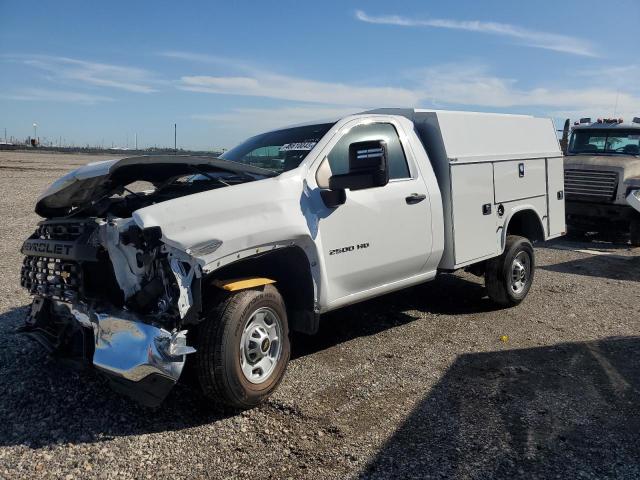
(615, 109)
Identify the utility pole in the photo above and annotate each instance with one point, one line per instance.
(136, 137)
(5, 134)
(175, 138)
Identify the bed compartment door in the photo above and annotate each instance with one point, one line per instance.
(518, 179)
(555, 182)
(474, 214)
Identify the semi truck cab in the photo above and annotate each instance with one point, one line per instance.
(602, 176)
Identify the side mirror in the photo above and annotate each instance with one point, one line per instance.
(368, 167)
(564, 142)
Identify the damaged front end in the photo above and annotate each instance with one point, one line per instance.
(114, 295)
(141, 360)
(111, 290)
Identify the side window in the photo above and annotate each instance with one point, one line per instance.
(339, 155)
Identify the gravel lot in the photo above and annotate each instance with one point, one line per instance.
(415, 384)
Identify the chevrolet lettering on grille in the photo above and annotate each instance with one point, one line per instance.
(48, 248)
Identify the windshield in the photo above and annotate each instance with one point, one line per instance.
(610, 141)
(278, 151)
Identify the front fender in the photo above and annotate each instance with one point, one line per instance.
(226, 225)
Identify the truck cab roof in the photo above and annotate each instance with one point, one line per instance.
(613, 125)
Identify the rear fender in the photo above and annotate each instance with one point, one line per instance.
(525, 220)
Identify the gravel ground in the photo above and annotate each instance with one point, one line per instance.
(416, 384)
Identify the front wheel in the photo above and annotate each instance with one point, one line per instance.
(243, 348)
(508, 277)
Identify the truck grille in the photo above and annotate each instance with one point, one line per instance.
(594, 185)
(54, 271)
(51, 277)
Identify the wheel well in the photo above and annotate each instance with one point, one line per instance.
(526, 223)
(290, 268)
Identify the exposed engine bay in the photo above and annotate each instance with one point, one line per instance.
(111, 190)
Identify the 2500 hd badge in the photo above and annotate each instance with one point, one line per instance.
(350, 248)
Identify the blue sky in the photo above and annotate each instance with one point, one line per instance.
(103, 72)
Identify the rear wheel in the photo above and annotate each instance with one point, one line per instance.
(243, 348)
(508, 278)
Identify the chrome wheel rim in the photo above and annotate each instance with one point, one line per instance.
(261, 345)
(520, 272)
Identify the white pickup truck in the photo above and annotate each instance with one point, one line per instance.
(218, 259)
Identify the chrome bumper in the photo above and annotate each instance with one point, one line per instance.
(141, 360)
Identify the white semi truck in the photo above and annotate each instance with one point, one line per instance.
(221, 258)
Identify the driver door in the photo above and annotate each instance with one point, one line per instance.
(379, 235)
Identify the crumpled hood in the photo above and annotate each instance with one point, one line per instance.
(95, 180)
(629, 164)
(75, 188)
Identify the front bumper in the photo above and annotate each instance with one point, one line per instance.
(598, 214)
(141, 360)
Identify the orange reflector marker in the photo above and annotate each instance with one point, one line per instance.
(242, 283)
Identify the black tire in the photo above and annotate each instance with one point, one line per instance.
(498, 274)
(217, 359)
(634, 231)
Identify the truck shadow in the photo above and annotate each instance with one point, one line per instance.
(447, 295)
(34, 385)
(602, 266)
(564, 411)
(47, 401)
(589, 242)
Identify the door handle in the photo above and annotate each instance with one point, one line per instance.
(415, 198)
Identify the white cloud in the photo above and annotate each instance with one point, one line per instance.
(202, 58)
(531, 38)
(284, 87)
(474, 86)
(453, 85)
(261, 119)
(237, 124)
(131, 79)
(46, 95)
(620, 77)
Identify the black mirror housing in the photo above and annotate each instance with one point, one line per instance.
(368, 167)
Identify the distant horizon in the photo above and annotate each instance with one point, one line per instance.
(96, 74)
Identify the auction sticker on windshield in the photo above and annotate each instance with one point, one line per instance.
(288, 147)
